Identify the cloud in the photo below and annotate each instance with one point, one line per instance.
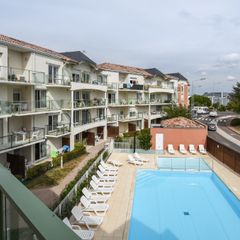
(185, 14)
(231, 78)
(231, 57)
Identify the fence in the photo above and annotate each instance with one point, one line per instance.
(184, 164)
(226, 155)
(73, 193)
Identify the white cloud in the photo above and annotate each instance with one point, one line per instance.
(231, 58)
(230, 77)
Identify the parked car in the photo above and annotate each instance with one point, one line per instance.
(212, 126)
(213, 114)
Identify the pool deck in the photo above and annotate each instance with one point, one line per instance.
(116, 221)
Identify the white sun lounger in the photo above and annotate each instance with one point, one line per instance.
(201, 149)
(97, 208)
(84, 218)
(139, 158)
(106, 178)
(116, 163)
(192, 149)
(102, 190)
(171, 149)
(83, 234)
(94, 197)
(102, 183)
(107, 172)
(182, 149)
(134, 161)
(107, 167)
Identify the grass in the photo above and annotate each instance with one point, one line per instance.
(55, 175)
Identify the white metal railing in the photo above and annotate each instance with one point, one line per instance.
(73, 192)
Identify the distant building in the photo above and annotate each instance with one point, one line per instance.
(218, 97)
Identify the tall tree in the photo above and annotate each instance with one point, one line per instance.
(235, 98)
(199, 100)
(176, 111)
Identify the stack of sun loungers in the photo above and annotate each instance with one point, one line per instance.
(136, 159)
(94, 201)
(183, 150)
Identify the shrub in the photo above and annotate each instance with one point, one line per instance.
(235, 122)
(145, 139)
(38, 170)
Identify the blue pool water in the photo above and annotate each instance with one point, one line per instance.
(183, 206)
(182, 163)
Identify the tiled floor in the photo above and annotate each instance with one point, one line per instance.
(116, 221)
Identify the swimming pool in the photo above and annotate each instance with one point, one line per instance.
(182, 163)
(183, 206)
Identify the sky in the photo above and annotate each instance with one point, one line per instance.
(200, 39)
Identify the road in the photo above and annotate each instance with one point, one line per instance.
(222, 125)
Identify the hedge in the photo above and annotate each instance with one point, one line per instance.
(66, 209)
(235, 122)
(37, 170)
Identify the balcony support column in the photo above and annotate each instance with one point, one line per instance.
(105, 133)
(149, 110)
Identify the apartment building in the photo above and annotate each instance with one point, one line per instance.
(182, 88)
(136, 97)
(48, 100)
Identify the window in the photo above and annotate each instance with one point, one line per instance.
(52, 73)
(52, 122)
(86, 77)
(182, 89)
(40, 98)
(16, 96)
(100, 113)
(40, 150)
(76, 77)
(76, 96)
(86, 116)
(132, 114)
(76, 117)
(111, 97)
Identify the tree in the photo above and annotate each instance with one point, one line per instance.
(199, 100)
(221, 108)
(176, 111)
(235, 98)
(144, 138)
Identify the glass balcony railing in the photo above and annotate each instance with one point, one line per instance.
(89, 121)
(58, 80)
(112, 118)
(21, 137)
(57, 129)
(89, 103)
(18, 75)
(92, 81)
(131, 116)
(24, 217)
(23, 107)
(113, 102)
(161, 101)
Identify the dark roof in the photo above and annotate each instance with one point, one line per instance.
(156, 72)
(32, 47)
(79, 57)
(178, 75)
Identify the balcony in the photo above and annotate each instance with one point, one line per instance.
(121, 102)
(58, 130)
(58, 81)
(21, 138)
(28, 107)
(157, 114)
(112, 118)
(161, 101)
(142, 102)
(21, 76)
(90, 123)
(100, 85)
(112, 86)
(131, 87)
(162, 88)
(131, 117)
(94, 103)
(24, 217)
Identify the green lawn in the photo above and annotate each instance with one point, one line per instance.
(53, 176)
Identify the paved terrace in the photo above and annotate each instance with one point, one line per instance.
(116, 221)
